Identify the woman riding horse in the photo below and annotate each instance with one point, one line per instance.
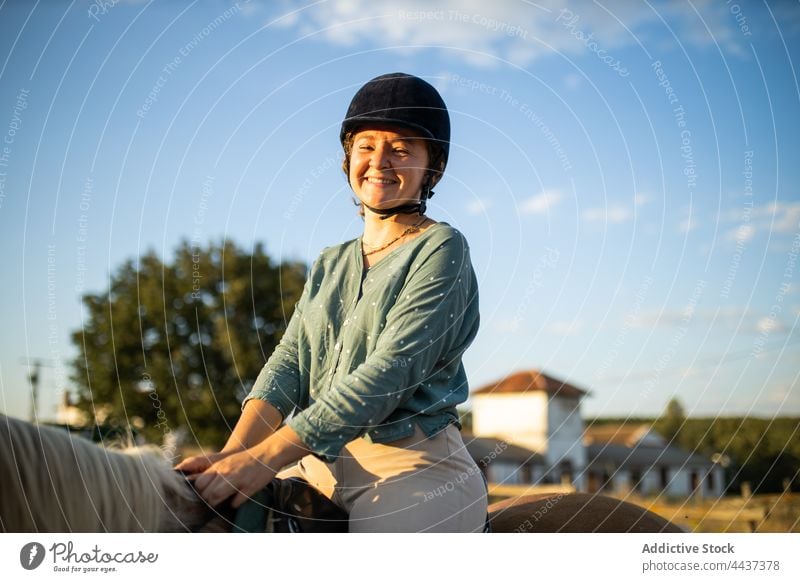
(370, 365)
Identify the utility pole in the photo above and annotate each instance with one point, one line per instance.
(36, 365)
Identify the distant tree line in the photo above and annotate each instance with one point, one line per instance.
(762, 451)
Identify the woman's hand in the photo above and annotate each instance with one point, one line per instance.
(242, 473)
(239, 474)
(200, 463)
(259, 420)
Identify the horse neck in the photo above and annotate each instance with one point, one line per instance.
(54, 482)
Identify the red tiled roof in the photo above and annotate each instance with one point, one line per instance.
(530, 381)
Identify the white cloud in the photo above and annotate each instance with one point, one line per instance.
(479, 205)
(507, 325)
(573, 81)
(786, 214)
(687, 224)
(769, 324)
(777, 218)
(641, 199)
(612, 215)
(566, 328)
(480, 32)
(782, 394)
(690, 222)
(733, 318)
(542, 203)
(744, 233)
(249, 9)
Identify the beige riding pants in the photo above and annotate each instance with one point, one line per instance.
(414, 484)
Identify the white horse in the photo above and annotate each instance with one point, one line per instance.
(51, 481)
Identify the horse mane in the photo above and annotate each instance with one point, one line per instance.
(53, 481)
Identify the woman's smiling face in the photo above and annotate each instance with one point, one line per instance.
(387, 167)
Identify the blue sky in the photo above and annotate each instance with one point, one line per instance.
(626, 174)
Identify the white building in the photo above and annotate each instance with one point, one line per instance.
(633, 458)
(533, 424)
(541, 414)
(504, 463)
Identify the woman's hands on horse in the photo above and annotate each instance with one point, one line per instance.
(200, 463)
(241, 473)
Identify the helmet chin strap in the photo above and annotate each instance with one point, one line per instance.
(417, 208)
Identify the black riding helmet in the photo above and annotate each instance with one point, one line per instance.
(407, 101)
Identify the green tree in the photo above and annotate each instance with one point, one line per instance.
(180, 344)
(672, 421)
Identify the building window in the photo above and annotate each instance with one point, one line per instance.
(710, 481)
(636, 480)
(607, 481)
(663, 473)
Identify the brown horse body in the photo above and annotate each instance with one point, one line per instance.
(574, 513)
(51, 481)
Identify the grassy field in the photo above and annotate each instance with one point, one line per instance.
(778, 513)
(759, 513)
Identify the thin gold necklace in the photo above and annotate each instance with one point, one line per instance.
(409, 230)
